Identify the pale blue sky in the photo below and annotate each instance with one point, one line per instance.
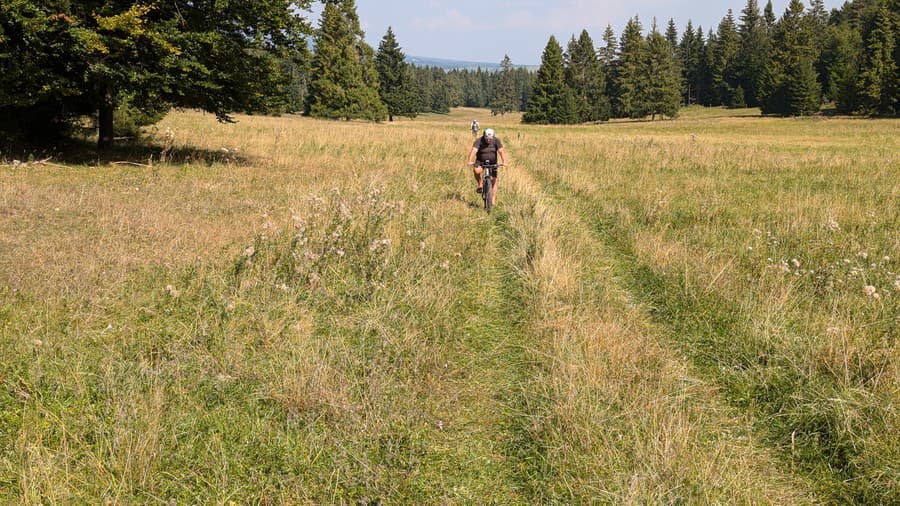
(478, 30)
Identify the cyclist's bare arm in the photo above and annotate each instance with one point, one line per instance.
(472, 155)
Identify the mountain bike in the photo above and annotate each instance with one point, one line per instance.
(489, 171)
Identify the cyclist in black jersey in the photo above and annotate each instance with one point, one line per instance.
(486, 149)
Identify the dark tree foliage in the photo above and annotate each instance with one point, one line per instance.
(345, 81)
(691, 49)
(662, 96)
(753, 52)
(395, 79)
(631, 81)
(60, 60)
(584, 76)
(551, 100)
(789, 85)
(725, 64)
(504, 97)
(876, 84)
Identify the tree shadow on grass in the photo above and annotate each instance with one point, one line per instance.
(138, 153)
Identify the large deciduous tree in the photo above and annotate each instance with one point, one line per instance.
(61, 59)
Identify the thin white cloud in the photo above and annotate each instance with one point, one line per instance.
(451, 19)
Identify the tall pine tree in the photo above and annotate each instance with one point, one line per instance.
(504, 98)
(585, 77)
(753, 53)
(345, 82)
(789, 84)
(395, 80)
(551, 100)
(631, 83)
(724, 65)
(877, 82)
(663, 95)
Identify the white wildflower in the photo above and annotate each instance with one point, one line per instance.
(37, 342)
(862, 254)
(795, 262)
(869, 291)
(340, 252)
(832, 225)
(250, 251)
(445, 265)
(172, 291)
(897, 284)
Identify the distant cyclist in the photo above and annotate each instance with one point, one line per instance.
(474, 128)
(485, 150)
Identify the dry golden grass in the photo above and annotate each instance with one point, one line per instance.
(322, 314)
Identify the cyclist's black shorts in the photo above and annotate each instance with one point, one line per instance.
(496, 169)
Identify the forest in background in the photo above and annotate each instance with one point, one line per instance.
(125, 64)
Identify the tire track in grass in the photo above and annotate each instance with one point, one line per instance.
(708, 331)
(623, 420)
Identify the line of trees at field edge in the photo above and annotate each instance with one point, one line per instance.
(125, 64)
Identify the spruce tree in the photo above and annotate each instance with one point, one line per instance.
(706, 92)
(789, 84)
(675, 48)
(395, 80)
(551, 100)
(753, 52)
(504, 98)
(724, 65)
(769, 16)
(584, 77)
(607, 53)
(631, 83)
(345, 82)
(691, 51)
(663, 90)
(877, 82)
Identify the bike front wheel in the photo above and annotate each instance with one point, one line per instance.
(486, 193)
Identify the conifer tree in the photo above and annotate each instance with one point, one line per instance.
(707, 94)
(395, 80)
(769, 16)
(691, 51)
(551, 100)
(789, 84)
(878, 74)
(631, 83)
(675, 48)
(753, 52)
(724, 65)
(663, 91)
(504, 98)
(584, 77)
(345, 82)
(607, 53)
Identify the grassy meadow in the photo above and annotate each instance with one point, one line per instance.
(294, 311)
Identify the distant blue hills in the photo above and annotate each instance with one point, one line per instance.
(443, 63)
